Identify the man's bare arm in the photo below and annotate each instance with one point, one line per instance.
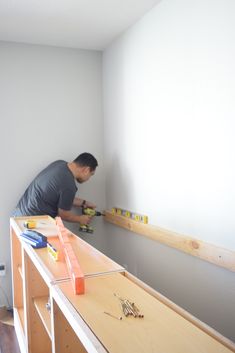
(77, 202)
(72, 217)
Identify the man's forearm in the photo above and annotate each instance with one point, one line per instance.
(77, 202)
(69, 216)
(72, 217)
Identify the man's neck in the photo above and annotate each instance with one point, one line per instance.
(72, 167)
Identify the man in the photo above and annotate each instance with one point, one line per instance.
(53, 190)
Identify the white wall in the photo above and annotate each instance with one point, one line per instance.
(51, 108)
(169, 108)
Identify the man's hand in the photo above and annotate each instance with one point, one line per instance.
(71, 217)
(84, 219)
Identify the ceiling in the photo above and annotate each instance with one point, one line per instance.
(86, 24)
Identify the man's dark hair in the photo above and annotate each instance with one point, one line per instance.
(86, 160)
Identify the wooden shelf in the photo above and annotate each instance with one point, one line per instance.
(161, 327)
(77, 323)
(65, 338)
(40, 305)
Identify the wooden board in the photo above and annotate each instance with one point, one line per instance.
(161, 329)
(40, 305)
(65, 339)
(185, 314)
(36, 292)
(19, 330)
(45, 224)
(205, 251)
(91, 260)
(16, 254)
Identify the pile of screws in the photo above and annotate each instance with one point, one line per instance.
(129, 308)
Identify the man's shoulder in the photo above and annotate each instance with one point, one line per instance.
(57, 164)
(55, 168)
(56, 173)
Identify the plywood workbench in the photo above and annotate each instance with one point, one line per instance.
(77, 323)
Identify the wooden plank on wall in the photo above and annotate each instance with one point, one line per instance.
(205, 251)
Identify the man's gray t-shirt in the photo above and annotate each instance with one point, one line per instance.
(52, 189)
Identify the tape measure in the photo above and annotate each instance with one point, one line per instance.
(30, 224)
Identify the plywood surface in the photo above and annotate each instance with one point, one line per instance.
(21, 316)
(161, 330)
(91, 260)
(45, 224)
(40, 304)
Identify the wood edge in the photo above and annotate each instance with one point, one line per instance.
(89, 340)
(15, 226)
(19, 331)
(185, 314)
(46, 319)
(21, 218)
(38, 263)
(208, 252)
(119, 267)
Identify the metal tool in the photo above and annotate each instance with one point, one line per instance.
(91, 212)
(115, 317)
(85, 228)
